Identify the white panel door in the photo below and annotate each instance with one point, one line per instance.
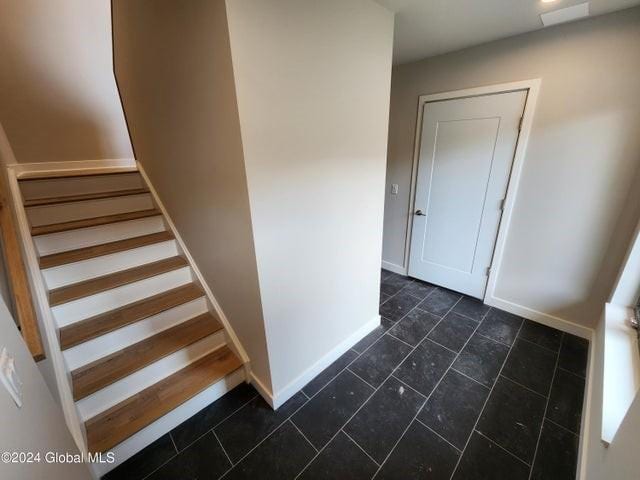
(466, 152)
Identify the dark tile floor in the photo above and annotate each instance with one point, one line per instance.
(446, 388)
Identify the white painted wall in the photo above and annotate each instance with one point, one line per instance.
(312, 80)
(174, 68)
(58, 97)
(39, 425)
(567, 237)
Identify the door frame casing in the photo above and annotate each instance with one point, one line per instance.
(532, 87)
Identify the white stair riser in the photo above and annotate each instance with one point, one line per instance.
(108, 343)
(67, 212)
(122, 389)
(86, 307)
(89, 237)
(132, 445)
(96, 267)
(80, 185)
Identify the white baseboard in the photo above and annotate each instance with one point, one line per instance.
(263, 390)
(392, 267)
(284, 394)
(540, 317)
(103, 165)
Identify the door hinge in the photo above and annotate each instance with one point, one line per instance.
(502, 203)
(520, 123)
(488, 271)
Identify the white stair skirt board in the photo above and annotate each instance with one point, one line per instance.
(67, 212)
(60, 187)
(278, 398)
(540, 317)
(70, 273)
(108, 343)
(110, 395)
(89, 237)
(392, 267)
(70, 312)
(132, 445)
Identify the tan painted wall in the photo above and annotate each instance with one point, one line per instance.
(174, 68)
(567, 236)
(58, 98)
(313, 81)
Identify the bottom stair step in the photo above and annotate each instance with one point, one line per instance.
(118, 423)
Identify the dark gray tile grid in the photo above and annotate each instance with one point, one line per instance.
(309, 455)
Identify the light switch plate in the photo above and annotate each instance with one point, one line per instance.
(394, 189)
(9, 377)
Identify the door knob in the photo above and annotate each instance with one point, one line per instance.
(419, 213)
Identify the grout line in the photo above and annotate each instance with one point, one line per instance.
(303, 393)
(525, 387)
(223, 449)
(436, 433)
(358, 445)
(540, 346)
(154, 471)
(571, 373)
(562, 427)
(502, 448)
(399, 339)
(408, 386)
(427, 397)
(497, 341)
(472, 379)
(440, 345)
(355, 374)
(475, 425)
(174, 442)
(546, 407)
(305, 437)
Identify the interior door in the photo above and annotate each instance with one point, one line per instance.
(466, 152)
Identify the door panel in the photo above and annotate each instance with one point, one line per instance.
(467, 148)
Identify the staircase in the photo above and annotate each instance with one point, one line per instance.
(139, 336)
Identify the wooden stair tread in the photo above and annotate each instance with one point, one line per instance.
(107, 370)
(92, 222)
(93, 327)
(113, 280)
(30, 176)
(35, 202)
(70, 256)
(119, 422)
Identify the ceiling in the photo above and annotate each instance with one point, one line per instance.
(430, 27)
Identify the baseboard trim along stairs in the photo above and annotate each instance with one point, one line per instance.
(144, 343)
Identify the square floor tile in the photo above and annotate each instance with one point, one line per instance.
(203, 459)
(398, 306)
(381, 421)
(281, 456)
(252, 423)
(207, 418)
(481, 359)
(557, 455)
(415, 326)
(471, 308)
(573, 354)
(384, 297)
(329, 373)
(424, 368)
(565, 401)
(392, 283)
(453, 331)
(483, 460)
(542, 335)
(512, 418)
(500, 326)
(145, 461)
(454, 407)
(374, 335)
(531, 366)
(328, 411)
(375, 365)
(440, 301)
(419, 289)
(421, 454)
(340, 459)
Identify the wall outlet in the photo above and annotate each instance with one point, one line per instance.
(394, 189)
(9, 377)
